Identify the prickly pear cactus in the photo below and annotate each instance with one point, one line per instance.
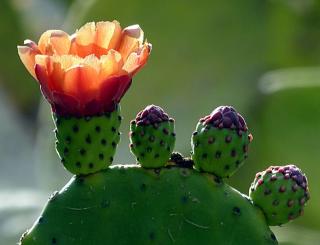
(152, 137)
(87, 145)
(165, 198)
(220, 142)
(133, 205)
(281, 192)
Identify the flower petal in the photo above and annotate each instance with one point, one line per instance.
(81, 82)
(27, 55)
(136, 61)
(132, 38)
(111, 64)
(86, 34)
(54, 42)
(112, 90)
(108, 34)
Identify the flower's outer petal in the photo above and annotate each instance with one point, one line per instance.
(54, 42)
(65, 105)
(112, 90)
(136, 61)
(111, 64)
(108, 34)
(81, 82)
(27, 55)
(132, 39)
(43, 79)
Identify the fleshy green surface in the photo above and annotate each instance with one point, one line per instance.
(277, 199)
(218, 151)
(87, 145)
(152, 145)
(134, 205)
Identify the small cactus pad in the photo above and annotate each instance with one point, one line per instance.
(281, 192)
(152, 137)
(86, 145)
(133, 205)
(220, 142)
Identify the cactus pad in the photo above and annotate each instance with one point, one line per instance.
(133, 205)
(281, 192)
(220, 142)
(152, 137)
(87, 144)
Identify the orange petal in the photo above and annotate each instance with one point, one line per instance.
(132, 38)
(27, 56)
(54, 42)
(136, 61)
(111, 64)
(86, 34)
(108, 34)
(81, 82)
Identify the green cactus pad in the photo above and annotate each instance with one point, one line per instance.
(281, 192)
(86, 145)
(219, 151)
(152, 145)
(133, 205)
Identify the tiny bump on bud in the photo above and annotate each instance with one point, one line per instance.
(98, 129)
(267, 192)
(218, 155)
(68, 139)
(233, 153)
(282, 189)
(113, 129)
(78, 164)
(82, 151)
(66, 150)
(236, 211)
(260, 182)
(290, 203)
(75, 128)
(275, 203)
(211, 140)
(88, 139)
(151, 138)
(101, 156)
(204, 155)
(228, 139)
(103, 142)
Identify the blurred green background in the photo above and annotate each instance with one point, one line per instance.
(261, 56)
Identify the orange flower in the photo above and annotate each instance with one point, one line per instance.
(88, 72)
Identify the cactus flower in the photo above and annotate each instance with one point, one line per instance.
(88, 72)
